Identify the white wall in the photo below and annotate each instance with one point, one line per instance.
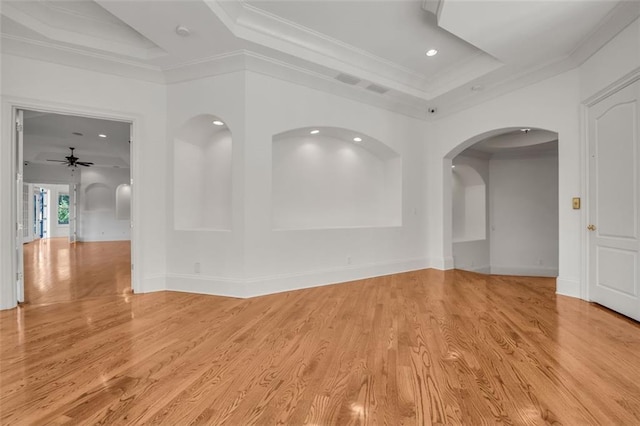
(253, 258)
(34, 84)
(523, 194)
(97, 219)
(325, 182)
(280, 260)
(207, 260)
(616, 59)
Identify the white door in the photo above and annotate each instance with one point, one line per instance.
(73, 196)
(19, 207)
(614, 193)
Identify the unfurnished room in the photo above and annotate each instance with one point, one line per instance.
(305, 212)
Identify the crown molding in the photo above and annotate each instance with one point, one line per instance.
(80, 58)
(246, 60)
(66, 36)
(255, 25)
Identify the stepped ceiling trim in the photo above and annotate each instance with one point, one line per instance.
(258, 26)
(100, 30)
(279, 48)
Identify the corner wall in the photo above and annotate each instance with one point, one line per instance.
(253, 258)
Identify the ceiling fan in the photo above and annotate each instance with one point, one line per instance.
(72, 161)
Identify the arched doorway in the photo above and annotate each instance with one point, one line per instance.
(502, 197)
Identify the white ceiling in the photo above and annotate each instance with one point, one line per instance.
(493, 45)
(49, 136)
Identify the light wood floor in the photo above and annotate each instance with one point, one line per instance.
(419, 348)
(56, 271)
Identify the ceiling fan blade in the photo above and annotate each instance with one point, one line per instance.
(58, 161)
(84, 163)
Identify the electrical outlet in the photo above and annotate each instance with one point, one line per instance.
(348, 260)
(196, 267)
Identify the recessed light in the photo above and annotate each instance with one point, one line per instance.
(315, 132)
(218, 123)
(525, 130)
(453, 166)
(357, 139)
(432, 52)
(102, 135)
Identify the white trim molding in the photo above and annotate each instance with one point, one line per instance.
(568, 287)
(261, 286)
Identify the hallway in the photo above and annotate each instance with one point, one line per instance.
(57, 271)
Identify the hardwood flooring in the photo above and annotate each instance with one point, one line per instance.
(56, 271)
(419, 348)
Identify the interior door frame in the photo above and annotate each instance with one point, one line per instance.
(10, 106)
(612, 88)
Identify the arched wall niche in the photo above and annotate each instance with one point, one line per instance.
(98, 196)
(326, 179)
(469, 195)
(202, 149)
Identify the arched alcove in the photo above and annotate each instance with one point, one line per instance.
(123, 202)
(327, 177)
(469, 194)
(202, 159)
(98, 196)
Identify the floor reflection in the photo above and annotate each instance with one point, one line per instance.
(57, 271)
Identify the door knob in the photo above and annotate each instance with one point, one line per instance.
(591, 227)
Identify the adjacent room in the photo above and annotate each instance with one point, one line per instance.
(505, 204)
(320, 212)
(76, 207)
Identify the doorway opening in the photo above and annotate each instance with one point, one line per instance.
(74, 210)
(504, 204)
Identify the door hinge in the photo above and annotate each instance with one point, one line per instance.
(132, 266)
(19, 127)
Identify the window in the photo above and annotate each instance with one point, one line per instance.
(63, 209)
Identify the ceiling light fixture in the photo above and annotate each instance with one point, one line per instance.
(357, 139)
(315, 132)
(453, 166)
(183, 31)
(525, 130)
(102, 135)
(218, 123)
(432, 52)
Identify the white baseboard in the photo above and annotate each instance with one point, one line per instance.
(441, 263)
(214, 286)
(287, 282)
(260, 286)
(153, 283)
(568, 287)
(525, 271)
(486, 269)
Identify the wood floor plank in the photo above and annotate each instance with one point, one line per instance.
(425, 347)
